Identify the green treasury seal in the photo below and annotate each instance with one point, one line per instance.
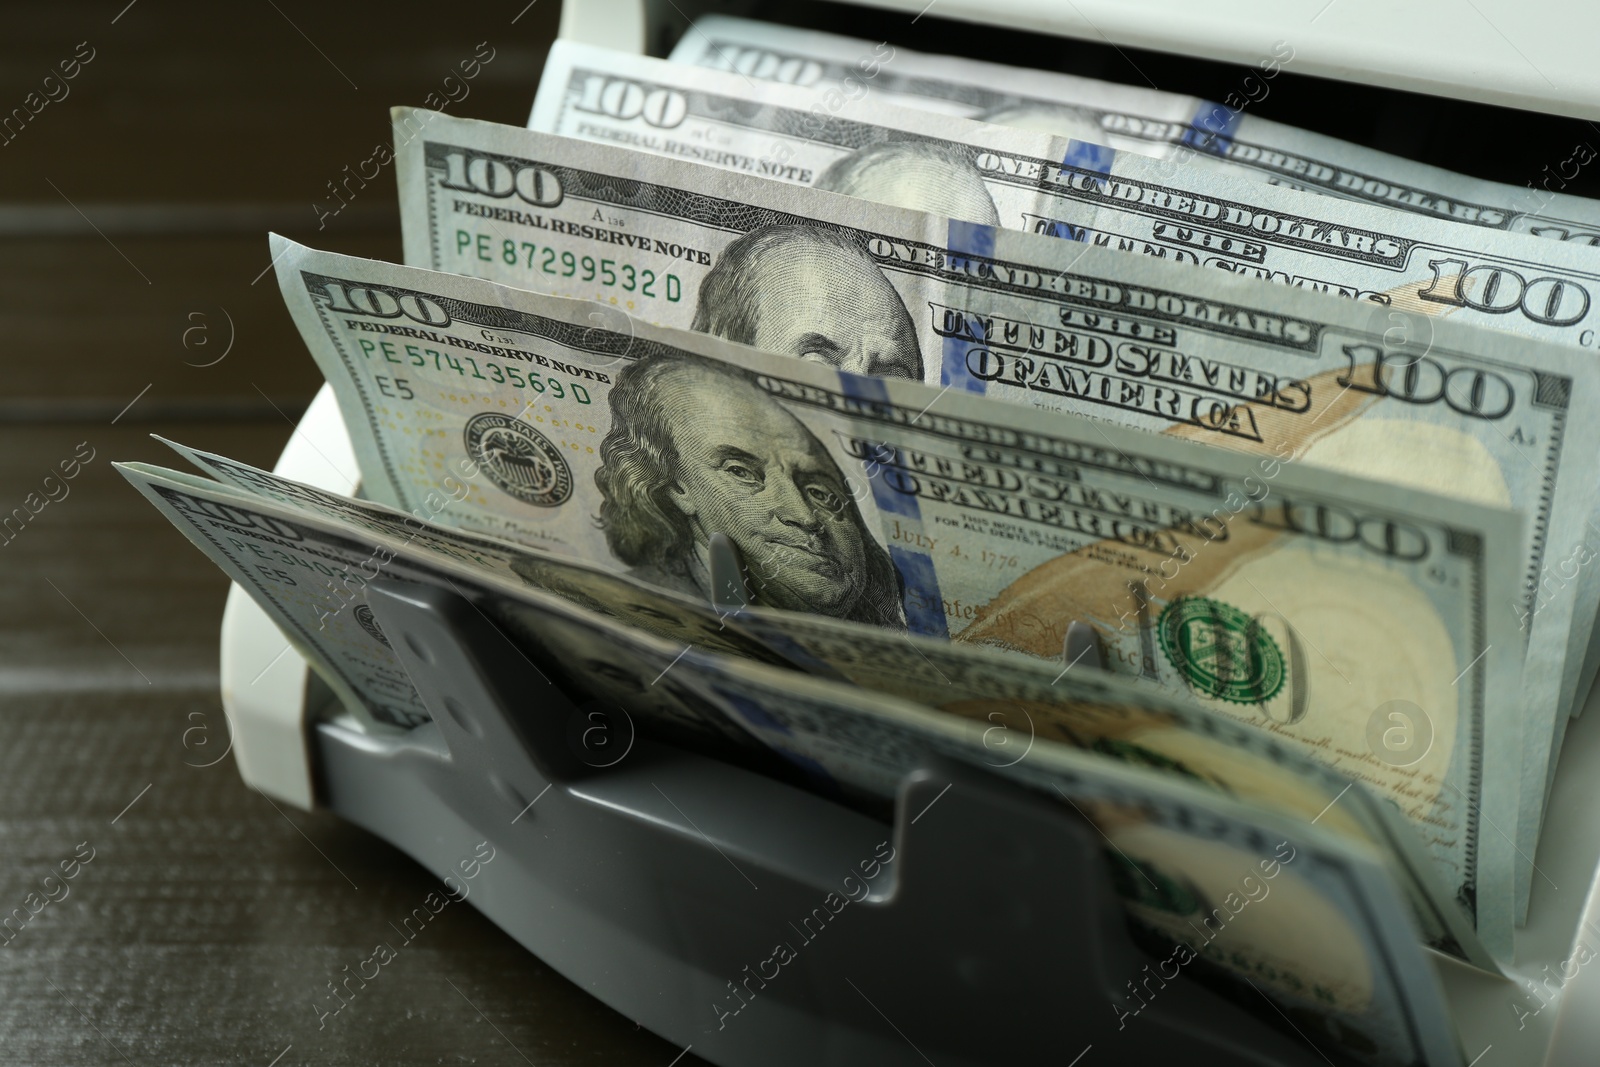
(519, 459)
(1221, 651)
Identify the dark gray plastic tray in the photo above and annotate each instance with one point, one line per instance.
(664, 885)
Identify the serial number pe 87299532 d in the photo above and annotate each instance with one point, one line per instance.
(610, 273)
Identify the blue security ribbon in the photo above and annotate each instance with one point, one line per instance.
(1086, 155)
(965, 239)
(1212, 128)
(923, 603)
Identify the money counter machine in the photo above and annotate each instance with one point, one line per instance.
(997, 931)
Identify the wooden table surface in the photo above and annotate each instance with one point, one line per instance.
(207, 924)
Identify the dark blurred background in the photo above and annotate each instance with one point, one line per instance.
(133, 254)
(135, 297)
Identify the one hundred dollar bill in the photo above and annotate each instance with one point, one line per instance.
(953, 515)
(1012, 700)
(1053, 323)
(473, 194)
(1310, 919)
(936, 162)
(1184, 130)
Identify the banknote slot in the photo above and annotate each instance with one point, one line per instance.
(1548, 153)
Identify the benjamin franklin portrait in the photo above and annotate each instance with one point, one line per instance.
(810, 292)
(695, 448)
(921, 175)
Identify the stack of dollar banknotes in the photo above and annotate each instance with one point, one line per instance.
(954, 356)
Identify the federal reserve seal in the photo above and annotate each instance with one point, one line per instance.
(519, 459)
(1221, 651)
